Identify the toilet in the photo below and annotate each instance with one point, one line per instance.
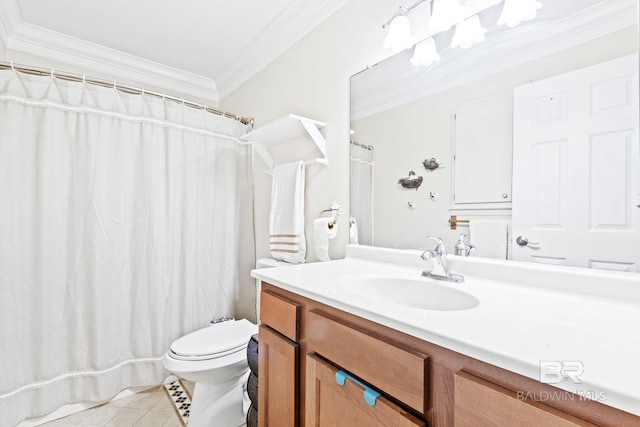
(215, 359)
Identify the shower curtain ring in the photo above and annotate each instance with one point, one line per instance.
(12, 67)
(53, 75)
(84, 79)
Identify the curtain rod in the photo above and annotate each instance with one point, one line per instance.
(124, 88)
(366, 147)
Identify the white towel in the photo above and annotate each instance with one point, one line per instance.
(321, 235)
(286, 220)
(490, 237)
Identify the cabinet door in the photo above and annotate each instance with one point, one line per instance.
(483, 146)
(277, 380)
(481, 403)
(332, 405)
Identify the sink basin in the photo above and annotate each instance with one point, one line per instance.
(420, 293)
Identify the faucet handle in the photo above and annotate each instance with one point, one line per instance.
(439, 249)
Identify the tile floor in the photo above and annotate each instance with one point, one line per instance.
(151, 408)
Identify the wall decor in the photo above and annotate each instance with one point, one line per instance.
(412, 181)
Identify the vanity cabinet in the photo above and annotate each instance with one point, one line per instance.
(419, 383)
(279, 362)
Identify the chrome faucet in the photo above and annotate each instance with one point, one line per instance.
(461, 248)
(439, 270)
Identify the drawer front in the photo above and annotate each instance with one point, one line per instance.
(332, 403)
(400, 373)
(480, 402)
(280, 314)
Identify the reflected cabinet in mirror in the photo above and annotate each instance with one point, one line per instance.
(527, 142)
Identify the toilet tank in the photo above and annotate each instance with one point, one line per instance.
(266, 263)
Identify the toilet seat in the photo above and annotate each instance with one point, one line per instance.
(213, 342)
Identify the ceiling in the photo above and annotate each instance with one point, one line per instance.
(202, 48)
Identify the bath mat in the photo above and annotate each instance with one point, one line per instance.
(179, 396)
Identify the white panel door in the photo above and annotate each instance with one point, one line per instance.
(575, 163)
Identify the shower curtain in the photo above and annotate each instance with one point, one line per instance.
(361, 191)
(125, 222)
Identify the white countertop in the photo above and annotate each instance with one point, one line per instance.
(527, 314)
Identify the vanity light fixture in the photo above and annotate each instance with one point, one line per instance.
(399, 36)
(444, 15)
(468, 32)
(425, 53)
(447, 13)
(516, 11)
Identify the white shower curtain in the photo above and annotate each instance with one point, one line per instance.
(361, 192)
(125, 222)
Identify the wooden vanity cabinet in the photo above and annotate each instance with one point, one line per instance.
(279, 362)
(419, 382)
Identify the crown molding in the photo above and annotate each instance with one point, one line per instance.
(275, 40)
(35, 40)
(26, 38)
(278, 37)
(9, 19)
(506, 49)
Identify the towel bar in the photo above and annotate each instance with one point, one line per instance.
(454, 221)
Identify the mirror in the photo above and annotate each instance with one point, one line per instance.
(403, 117)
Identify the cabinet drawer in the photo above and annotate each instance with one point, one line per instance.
(480, 402)
(397, 372)
(280, 314)
(330, 403)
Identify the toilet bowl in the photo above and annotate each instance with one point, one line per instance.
(215, 359)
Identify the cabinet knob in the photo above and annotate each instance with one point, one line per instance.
(505, 195)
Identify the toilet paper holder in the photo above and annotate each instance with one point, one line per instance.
(335, 207)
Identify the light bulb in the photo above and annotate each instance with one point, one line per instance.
(399, 35)
(445, 14)
(468, 32)
(516, 11)
(425, 53)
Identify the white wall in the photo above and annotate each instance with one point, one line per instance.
(312, 79)
(406, 135)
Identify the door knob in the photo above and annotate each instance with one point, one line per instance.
(523, 241)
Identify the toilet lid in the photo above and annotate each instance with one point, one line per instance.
(214, 341)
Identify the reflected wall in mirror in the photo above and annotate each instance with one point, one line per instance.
(403, 115)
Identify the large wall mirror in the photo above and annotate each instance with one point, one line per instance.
(500, 120)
